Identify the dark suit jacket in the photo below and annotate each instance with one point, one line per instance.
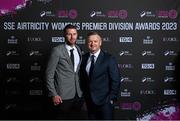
(105, 83)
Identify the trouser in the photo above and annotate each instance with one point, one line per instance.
(99, 112)
(69, 109)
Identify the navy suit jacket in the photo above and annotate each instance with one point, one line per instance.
(105, 83)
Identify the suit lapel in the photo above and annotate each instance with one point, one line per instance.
(66, 55)
(98, 61)
(80, 56)
(85, 60)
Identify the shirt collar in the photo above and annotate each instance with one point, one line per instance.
(96, 54)
(69, 47)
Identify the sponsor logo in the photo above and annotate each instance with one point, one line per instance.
(34, 39)
(170, 67)
(58, 39)
(46, 14)
(10, 106)
(147, 79)
(170, 39)
(35, 67)
(106, 39)
(169, 79)
(148, 40)
(117, 14)
(97, 14)
(13, 92)
(12, 80)
(147, 66)
(125, 93)
(12, 40)
(147, 92)
(167, 14)
(12, 53)
(170, 53)
(125, 39)
(35, 92)
(72, 13)
(125, 66)
(147, 14)
(126, 79)
(125, 53)
(147, 53)
(130, 106)
(172, 14)
(34, 53)
(81, 40)
(170, 92)
(35, 80)
(13, 66)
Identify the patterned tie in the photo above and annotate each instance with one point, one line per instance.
(72, 56)
(92, 66)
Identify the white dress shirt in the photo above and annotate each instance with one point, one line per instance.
(89, 60)
(76, 55)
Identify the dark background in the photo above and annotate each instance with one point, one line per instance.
(23, 63)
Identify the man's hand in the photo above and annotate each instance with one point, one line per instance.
(57, 100)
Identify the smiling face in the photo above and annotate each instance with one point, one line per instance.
(71, 36)
(94, 43)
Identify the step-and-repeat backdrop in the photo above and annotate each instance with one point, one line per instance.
(143, 35)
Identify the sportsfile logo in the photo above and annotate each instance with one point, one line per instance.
(170, 53)
(147, 14)
(169, 79)
(147, 79)
(35, 80)
(12, 80)
(97, 14)
(12, 53)
(10, 106)
(34, 53)
(125, 53)
(46, 14)
(147, 66)
(126, 79)
(125, 39)
(147, 53)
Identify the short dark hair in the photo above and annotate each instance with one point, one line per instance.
(68, 26)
